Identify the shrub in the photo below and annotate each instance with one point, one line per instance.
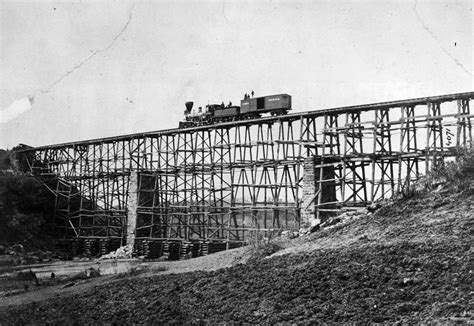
(456, 174)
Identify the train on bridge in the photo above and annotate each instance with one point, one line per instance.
(250, 108)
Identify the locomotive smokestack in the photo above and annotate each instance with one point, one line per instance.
(189, 106)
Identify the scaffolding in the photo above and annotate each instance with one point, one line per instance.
(220, 183)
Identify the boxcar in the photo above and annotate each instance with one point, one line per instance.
(274, 103)
(248, 105)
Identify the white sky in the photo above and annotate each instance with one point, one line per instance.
(95, 73)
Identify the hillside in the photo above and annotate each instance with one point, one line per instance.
(26, 208)
(408, 262)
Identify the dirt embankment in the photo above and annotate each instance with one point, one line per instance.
(409, 262)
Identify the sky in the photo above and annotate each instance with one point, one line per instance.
(72, 71)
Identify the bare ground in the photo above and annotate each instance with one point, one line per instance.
(409, 262)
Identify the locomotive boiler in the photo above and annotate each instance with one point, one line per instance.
(250, 108)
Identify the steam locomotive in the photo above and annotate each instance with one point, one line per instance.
(250, 108)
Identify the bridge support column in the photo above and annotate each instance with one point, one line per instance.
(319, 191)
(309, 194)
(132, 208)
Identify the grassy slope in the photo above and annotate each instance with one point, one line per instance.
(408, 262)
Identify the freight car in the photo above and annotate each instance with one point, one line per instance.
(250, 108)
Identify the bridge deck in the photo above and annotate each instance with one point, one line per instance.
(289, 117)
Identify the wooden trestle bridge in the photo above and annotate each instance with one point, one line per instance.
(196, 190)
